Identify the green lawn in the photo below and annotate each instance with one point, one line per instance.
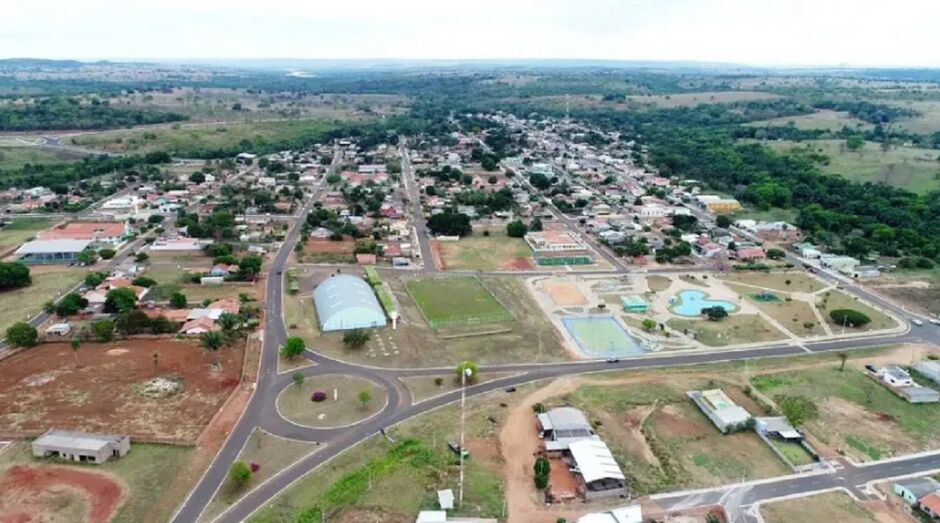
(793, 281)
(823, 119)
(20, 230)
(451, 301)
(833, 506)
(189, 140)
(484, 253)
(736, 329)
(906, 167)
(294, 402)
(22, 304)
(832, 300)
(13, 158)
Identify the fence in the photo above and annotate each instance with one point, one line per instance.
(463, 321)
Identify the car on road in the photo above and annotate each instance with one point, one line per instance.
(613, 360)
(935, 321)
(917, 322)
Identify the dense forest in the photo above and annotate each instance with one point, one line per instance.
(69, 113)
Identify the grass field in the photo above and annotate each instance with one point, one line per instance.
(424, 387)
(663, 442)
(18, 231)
(294, 402)
(792, 314)
(21, 304)
(147, 471)
(822, 119)
(832, 300)
(733, 330)
(668, 101)
(855, 413)
(778, 281)
(482, 253)
(456, 301)
(928, 122)
(381, 481)
(770, 215)
(906, 167)
(832, 506)
(271, 453)
(12, 158)
(187, 140)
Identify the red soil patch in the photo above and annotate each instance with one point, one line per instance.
(42, 387)
(561, 482)
(25, 492)
(330, 247)
(518, 264)
(669, 420)
(438, 255)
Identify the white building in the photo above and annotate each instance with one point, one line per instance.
(80, 446)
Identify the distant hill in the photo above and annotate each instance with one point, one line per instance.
(39, 63)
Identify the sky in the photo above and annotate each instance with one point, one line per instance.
(753, 32)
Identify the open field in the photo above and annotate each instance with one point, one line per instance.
(218, 104)
(14, 233)
(669, 101)
(425, 387)
(190, 139)
(832, 300)
(734, 330)
(12, 158)
(928, 122)
(295, 404)
(48, 283)
(822, 119)
(271, 453)
(664, 442)
(918, 290)
(856, 414)
(446, 302)
(906, 167)
(770, 215)
(496, 252)
(382, 481)
(793, 314)
(171, 277)
(140, 479)
(528, 338)
(832, 506)
(796, 281)
(101, 388)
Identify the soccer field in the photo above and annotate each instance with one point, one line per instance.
(446, 302)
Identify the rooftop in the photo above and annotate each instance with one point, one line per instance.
(595, 462)
(53, 246)
(76, 440)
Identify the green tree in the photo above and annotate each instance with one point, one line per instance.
(365, 396)
(648, 324)
(212, 342)
(294, 346)
(249, 266)
(536, 224)
(463, 367)
(87, 257)
(723, 220)
(797, 409)
(121, 299)
(22, 334)
(543, 471)
(197, 177)
(240, 474)
(178, 300)
(843, 357)
(775, 254)
(134, 321)
(849, 317)
(75, 344)
(229, 322)
(450, 223)
(356, 338)
(103, 330)
(516, 229)
(715, 313)
(298, 379)
(95, 279)
(107, 254)
(854, 143)
(14, 275)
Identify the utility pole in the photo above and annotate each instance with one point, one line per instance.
(463, 400)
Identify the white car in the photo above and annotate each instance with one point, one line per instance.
(917, 322)
(935, 321)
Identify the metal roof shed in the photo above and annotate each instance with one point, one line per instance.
(346, 302)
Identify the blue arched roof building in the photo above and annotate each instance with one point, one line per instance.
(346, 302)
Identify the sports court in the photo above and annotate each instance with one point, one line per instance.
(601, 337)
(565, 293)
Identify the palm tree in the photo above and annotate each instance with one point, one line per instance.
(842, 357)
(213, 341)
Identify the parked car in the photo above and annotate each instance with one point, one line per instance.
(917, 322)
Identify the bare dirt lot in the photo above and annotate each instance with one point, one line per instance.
(57, 494)
(101, 388)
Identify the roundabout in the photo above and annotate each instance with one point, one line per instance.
(327, 401)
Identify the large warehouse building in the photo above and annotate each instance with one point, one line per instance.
(346, 302)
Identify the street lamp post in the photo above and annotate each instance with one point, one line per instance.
(463, 399)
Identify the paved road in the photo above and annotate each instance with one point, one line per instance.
(423, 237)
(261, 410)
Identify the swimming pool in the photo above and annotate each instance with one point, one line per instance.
(602, 337)
(691, 302)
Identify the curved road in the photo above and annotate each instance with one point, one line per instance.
(261, 410)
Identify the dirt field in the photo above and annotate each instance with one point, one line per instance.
(100, 388)
(496, 252)
(565, 294)
(834, 506)
(50, 493)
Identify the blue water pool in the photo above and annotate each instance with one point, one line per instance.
(691, 302)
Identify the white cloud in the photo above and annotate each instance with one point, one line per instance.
(863, 32)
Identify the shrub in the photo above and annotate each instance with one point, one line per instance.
(240, 474)
(293, 347)
(107, 254)
(318, 396)
(849, 317)
(356, 338)
(438, 381)
(22, 334)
